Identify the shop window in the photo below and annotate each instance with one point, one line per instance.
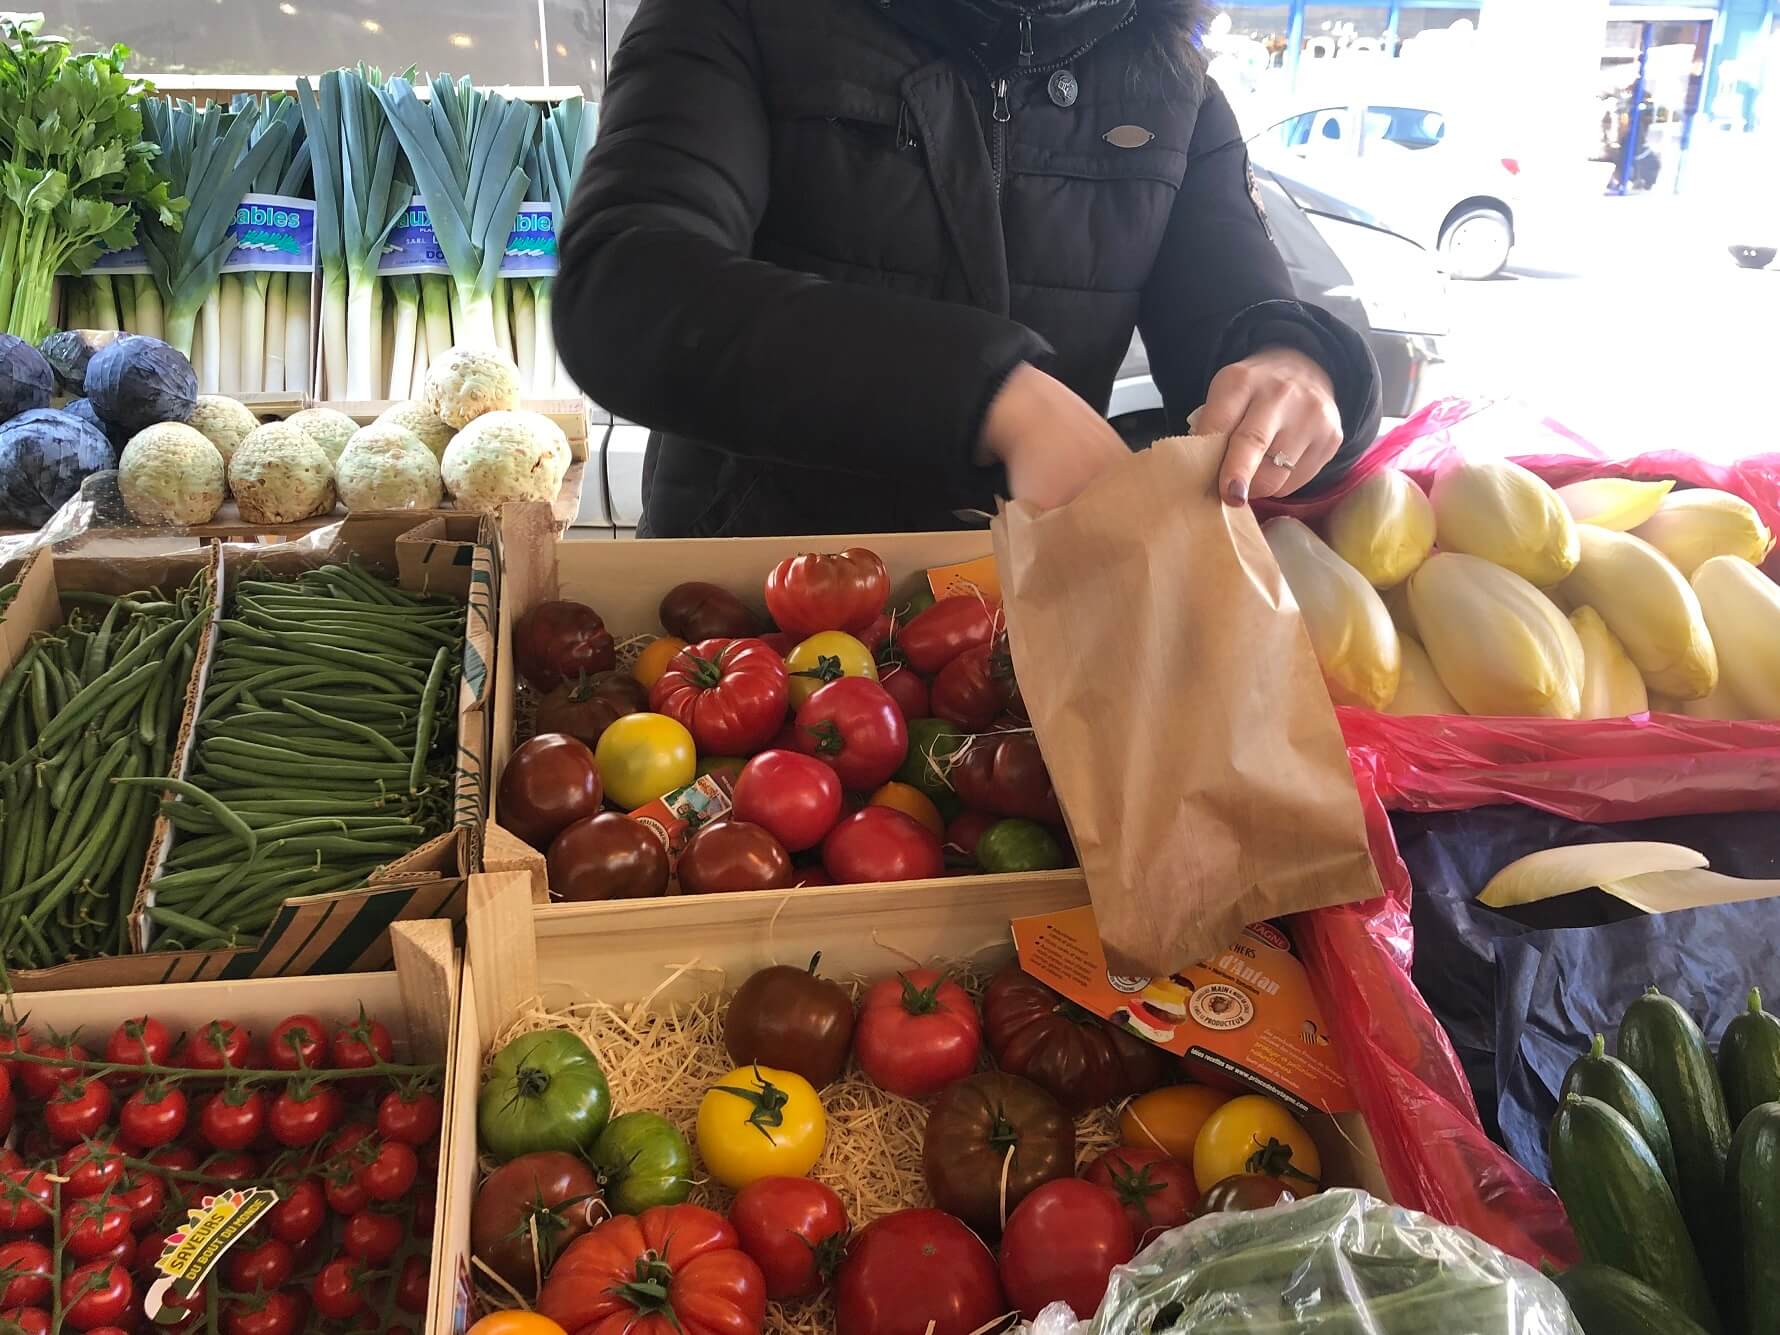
(1405, 127)
(1331, 31)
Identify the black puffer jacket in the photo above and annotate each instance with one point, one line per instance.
(815, 236)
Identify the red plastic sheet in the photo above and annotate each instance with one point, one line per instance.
(1406, 1077)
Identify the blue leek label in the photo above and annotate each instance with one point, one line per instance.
(531, 246)
(131, 259)
(412, 247)
(272, 233)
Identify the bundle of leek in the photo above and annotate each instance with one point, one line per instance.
(361, 191)
(208, 156)
(274, 306)
(563, 145)
(466, 149)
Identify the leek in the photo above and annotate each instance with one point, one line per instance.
(503, 320)
(125, 291)
(465, 149)
(104, 308)
(286, 172)
(148, 305)
(74, 303)
(405, 289)
(524, 350)
(299, 290)
(436, 301)
(207, 155)
(360, 194)
(271, 331)
(563, 145)
(227, 366)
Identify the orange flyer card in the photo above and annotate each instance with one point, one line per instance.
(967, 577)
(1247, 1016)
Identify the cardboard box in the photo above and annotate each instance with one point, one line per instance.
(624, 582)
(518, 952)
(345, 931)
(418, 1001)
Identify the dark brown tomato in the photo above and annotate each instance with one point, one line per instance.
(970, 1129)
(1005, 773)
(549, 783)
(585, 707)
(560, 640)
(792, 1019)
(1077, 1056)
(558, 1192)
(733, 855)
(607, 856)
(1244, 1191)
(697, 611)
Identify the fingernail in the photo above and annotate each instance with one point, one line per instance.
(1237, 492)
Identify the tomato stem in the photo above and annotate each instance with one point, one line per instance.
(768, 1101)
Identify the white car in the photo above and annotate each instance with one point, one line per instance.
(1421, 172)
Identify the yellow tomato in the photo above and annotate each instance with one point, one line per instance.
(516, 1323)
(1255, 1134)
(910, 801)
(824, 657)
(654, 659)
(642, 756)
(760, 1122)
(1169, 1119)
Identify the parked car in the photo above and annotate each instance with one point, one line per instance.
(1384, 285)
(1428, 173)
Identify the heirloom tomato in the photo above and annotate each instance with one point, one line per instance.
(759, 1121)
(1156, 1190)
(644, 756)
(544, 1091)
(917, 1032)
(791, 1018)
(1015, 845)
(550, 783)
(553, 1193)
(1255, 1134)
(1005, 773)
(585, 707)
(971, 1128)
(698, 611)
(908, 690)
(559, 640)
(1075, 1055)
(731, 695)
(1061, 1245)
(911, 802)
(1169, 1119)
(814, 591)
(643, 1161)
(826, 656)
(795, 1230)
(935, 637)
(1245, 1191)
(607, 856)
(730, 856)
(855, 728)
(794, 797)
(966, 693)
(655, 657)
(879, 843)
(917, 1270)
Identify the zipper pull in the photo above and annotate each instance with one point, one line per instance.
(905, 136)
(1025, 37)
(1000, 112)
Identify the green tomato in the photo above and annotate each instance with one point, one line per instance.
(1019, 845)
(544, 1091)
(918, 602)
(643, 1161)
(930, 740)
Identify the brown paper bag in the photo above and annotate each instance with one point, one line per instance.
(1180, 710)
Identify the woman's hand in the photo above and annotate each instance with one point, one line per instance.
(1278, 409)
(1052, 443)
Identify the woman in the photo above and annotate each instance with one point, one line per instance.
(866, 264)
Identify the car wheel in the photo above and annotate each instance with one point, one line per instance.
(1476, 243)
(1753, 257)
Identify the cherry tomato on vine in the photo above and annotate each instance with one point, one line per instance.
(143, 1196)
(345, 1196)
(77, 1111)
(13, 1039)
(300, 1215)
(265, 1265)
(90, 1168)
(140, 1041)
(359, 1045)
(41, 1081)
(300, 1117)
(279, 1313)
(371, 1237)
(411, 1117)
(335, 1290)
(230, 1166)
(390, 1175)
(29, 1320)
(232, 1119)
(96, 1294)
(297, 1042)
(219, 1044)
(8, 1103)
(175, 1159)
(28, 1267)
(413, 1285)
(92, 1228)
(153, 1116)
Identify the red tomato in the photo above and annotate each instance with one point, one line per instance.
(1156, 1190)
(917, 1270)
(876, 635)
(300, 1215)
(560, 640)
(153, 1116)
(174, 1159)
(92, 1228)
(854, 727)
(550, 783)
(966, 692)
(344, 1195)
(39, 1081)
(264, 1265)
(910, 693)
(1006, 774)
(371, 1237)
(410, 1116)
(781, 642)
(793, 797)
(8, 1104)
(389, 1175)
(279, 1313)
(143, 1195)
(729, 694)
(964, 832)
(218, 1045)
(708, 1285)
(935, 637)
(141, 1041)
(917, 1033)
(149, 1247)
(226, 1167)
(95, 1295)
(301, 1117)
(297, 1042)
(796, 1231)
(90, 1168)
(413, 1285)
(815, 592)
(882, 844)
(733, 855)
(337, 1289)
(232, 1119)
(1061, 1244)
(25, 1271)
(78, 1111)
(361, 1044)
(29, 1320)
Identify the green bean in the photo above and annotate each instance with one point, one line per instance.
(200, 932)
(346, 726)
(75, 819)
(263, 751)
(14, 681)
(99, 647)
(190, 791)
(82, 768)
(429, 704)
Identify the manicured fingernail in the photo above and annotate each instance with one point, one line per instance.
(1237, 492)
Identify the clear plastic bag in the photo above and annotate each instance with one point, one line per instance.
(1341, 1263)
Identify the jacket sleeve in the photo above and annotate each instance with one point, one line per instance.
(661, 316)
(1220, 291)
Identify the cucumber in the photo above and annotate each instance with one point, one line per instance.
(1749, 1060)
(1755, 1161)
(1659, 1041)
(1606, 1301)
(1618, 1086)
(1622, 1210)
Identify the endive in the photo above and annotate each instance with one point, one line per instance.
(1742, 609)
(1561, 871)
(1504, 513)
(1383, 528)
(1618, 503)
(1649, 608)
(1499, 645)
(1350, 631)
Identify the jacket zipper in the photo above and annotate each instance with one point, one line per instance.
(1000, 112)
